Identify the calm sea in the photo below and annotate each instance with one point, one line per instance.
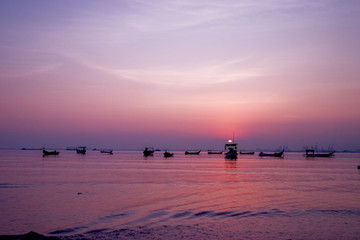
(71, 193)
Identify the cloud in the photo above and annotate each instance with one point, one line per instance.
(208, 74)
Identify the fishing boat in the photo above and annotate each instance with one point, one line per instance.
(192, 152)
(107, 151)
(81, 149)
(276, 154)
(148, 152)
(231, 149)
(45, 153)
(214, 152)
(247, 153)
(167, 154)
(311, 153)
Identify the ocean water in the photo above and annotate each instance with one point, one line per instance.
(252, 197)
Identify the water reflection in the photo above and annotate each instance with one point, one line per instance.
(230, 164)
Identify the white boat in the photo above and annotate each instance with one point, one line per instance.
(231, 149)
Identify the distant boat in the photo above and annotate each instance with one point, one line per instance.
(311, 153)
(214, 152)
(45, 153)
(247, 153)
(148, 152)
(276, 154)
(192, 152)
(231, 149)
(81, 149)
(107, 151)
(167, 154)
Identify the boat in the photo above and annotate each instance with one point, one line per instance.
(148, 152)
(231, 149)
(276, 154)
(192, 152)
(214, 152)
(311, 153)
(167, 154)
(81, 149)
(107, 151)
(247, 153)
(45, 153)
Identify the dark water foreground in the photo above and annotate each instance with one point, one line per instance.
(128, 196)
(324, 227)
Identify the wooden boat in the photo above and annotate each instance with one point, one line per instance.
(167, 154)
(311, 153)
(214, 152)
(81, 149)
(107, 151)
(45, 153)
(148, 152)
(277, 154)
(231, 149)
(192, 152)
(247, 153)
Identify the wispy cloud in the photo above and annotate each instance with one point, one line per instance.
(176, 15)
(210, 74)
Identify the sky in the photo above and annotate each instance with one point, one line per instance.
(177, 74)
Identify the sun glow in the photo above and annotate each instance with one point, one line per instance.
(230, 141)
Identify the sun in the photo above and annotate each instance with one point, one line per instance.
(229, 141)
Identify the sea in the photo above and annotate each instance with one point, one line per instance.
(201, 196)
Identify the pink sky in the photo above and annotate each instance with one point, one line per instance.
(179, 74)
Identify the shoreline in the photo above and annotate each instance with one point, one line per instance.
(253, 229)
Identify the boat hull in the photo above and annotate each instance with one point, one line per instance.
(192, 153)
(231, 155)
(320, 154)
(46, 153)
(148, 153)
(279, 154)
(167, 154)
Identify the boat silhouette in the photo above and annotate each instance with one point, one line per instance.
(276, 154)
(192, 152)
(168, 154)
(45, 153)
(148, 152)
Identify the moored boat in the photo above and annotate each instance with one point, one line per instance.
(107, 151)
(192, 152)
(148, 152)
(276, 154)
(311, 153)
(231, 149)
(45, 153)
(81, 149)
(168, 154)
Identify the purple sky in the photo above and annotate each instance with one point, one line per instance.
(180, 74)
